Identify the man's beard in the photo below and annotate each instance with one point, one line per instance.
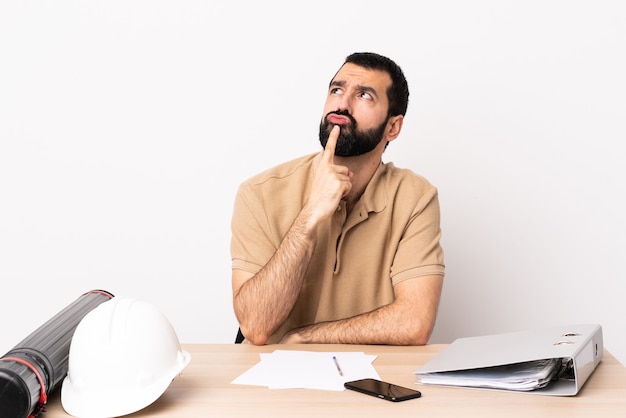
(351, 142)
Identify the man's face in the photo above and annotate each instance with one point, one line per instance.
(357, 102)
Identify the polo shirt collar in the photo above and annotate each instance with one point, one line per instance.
(374, 198)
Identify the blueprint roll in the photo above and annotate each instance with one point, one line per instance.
(38, 364)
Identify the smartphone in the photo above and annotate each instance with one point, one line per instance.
(383, 390)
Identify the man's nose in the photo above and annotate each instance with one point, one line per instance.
(345, 103)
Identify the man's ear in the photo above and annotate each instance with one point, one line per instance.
(394, 126)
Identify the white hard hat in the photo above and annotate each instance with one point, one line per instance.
(122, 358)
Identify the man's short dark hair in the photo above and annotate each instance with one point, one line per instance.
(398, 93)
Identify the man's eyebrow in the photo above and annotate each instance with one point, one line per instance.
(367, 89)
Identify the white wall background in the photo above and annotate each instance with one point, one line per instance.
(126, 126)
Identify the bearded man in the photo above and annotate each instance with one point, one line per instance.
(338, 246)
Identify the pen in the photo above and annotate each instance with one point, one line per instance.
(337, 365)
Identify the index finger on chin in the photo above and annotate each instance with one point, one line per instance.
(329, 150)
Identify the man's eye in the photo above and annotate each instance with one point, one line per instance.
(335, 91)
(365, 95)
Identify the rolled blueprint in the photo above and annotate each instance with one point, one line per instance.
(38, 364)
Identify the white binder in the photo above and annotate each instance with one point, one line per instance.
(579, 346)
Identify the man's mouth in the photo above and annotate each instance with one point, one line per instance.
(336, 119)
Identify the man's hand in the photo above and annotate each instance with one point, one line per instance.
(332, 182)
(292, 337)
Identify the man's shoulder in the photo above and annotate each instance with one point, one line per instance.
(300, 166)
(398, 175)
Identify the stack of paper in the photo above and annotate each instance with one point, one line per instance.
(285, 369)
(524, 376)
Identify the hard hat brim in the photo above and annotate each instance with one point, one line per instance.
(113, 402)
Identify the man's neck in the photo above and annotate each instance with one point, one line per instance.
(363, 169)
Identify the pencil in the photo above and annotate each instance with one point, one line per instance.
(337, 365)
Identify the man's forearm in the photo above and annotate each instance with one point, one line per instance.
(377, 327)
(372, 328)
(264, 301)
(409, 320)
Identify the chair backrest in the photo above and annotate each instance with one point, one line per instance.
(239, 338)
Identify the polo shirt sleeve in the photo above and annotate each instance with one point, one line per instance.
(419, 252)
(251, 244)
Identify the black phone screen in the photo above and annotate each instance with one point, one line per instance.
(383, 390)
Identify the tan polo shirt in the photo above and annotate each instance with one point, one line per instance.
(391, 235)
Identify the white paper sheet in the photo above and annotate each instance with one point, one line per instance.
(288, 369)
